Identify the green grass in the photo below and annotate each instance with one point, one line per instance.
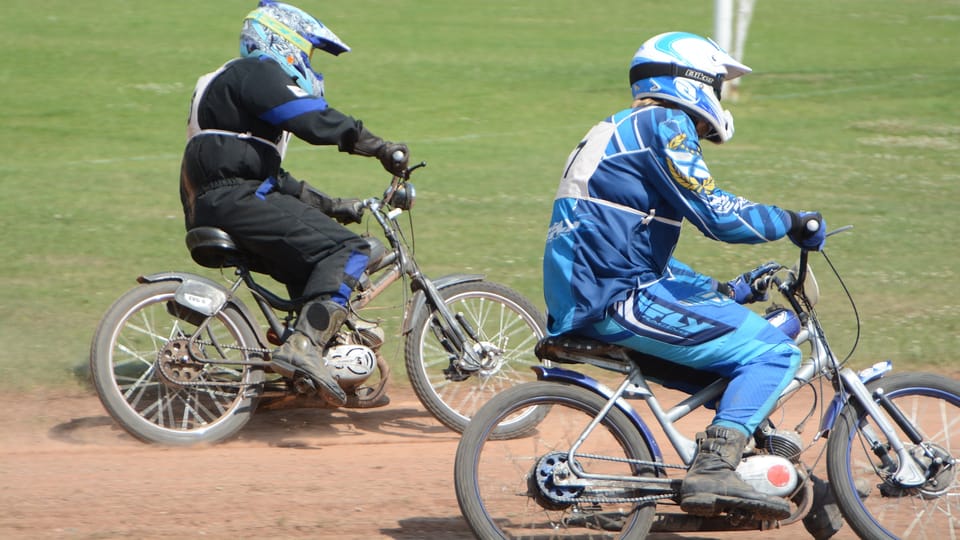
(851, 111)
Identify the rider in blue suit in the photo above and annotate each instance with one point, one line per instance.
(609, 273)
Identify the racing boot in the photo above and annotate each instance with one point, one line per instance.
(318, 323)
(713, 487)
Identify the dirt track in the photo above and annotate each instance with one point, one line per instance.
(68, 472)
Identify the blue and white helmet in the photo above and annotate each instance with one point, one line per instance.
(289, 36)
(688, 70)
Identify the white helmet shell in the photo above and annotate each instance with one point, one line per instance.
(688, 70)
(289, 36)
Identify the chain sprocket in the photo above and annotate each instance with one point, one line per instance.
(181, 364)
(555, 494)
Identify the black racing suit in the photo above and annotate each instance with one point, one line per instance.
(231, 177)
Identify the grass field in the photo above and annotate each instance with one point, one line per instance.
(852, 110)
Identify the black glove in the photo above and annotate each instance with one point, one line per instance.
(809, 230)
(369, 144)
(389, 155)
(347, 211)
(343, 210)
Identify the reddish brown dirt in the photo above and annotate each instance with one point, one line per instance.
(67, 471)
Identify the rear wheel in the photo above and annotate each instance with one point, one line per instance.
(524, 487)
(507, 327)
(146, 373)
(872, 502)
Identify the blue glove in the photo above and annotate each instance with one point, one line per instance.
(744, 289)
(809, 230)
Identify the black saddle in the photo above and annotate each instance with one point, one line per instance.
(211, 247)
(574, 349)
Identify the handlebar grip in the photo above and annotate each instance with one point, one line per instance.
(761, 283)
(813, 225)
(399, 155)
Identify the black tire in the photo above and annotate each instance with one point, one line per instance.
(214, 401)
(873, 507)
(505, 488)
(507, 324)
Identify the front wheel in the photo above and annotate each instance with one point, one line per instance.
(872, 502)
(147, 374)
(527, 488)
(507, 326)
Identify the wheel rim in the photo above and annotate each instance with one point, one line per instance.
(155, 379)
(515, 479)
(507, 336)
(927, 511)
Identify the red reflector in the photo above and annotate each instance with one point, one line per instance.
(778, 475)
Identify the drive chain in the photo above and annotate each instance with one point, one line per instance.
(617, 500)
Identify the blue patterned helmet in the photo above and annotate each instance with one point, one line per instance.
(289, 36)
(687, 70)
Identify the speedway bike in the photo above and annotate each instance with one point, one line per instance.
(594, 467)
(181, 359)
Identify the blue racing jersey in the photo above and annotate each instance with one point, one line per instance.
(625, 191)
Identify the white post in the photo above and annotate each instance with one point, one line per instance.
(744, 14)
(723, 22)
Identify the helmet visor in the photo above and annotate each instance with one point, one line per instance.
(316, 76)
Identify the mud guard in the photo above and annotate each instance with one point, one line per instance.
(575, 378)
(248, 315)
(831, 413)
(840, 399)
(419, 298)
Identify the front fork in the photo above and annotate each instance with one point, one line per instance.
(453, 331)
(907, 472)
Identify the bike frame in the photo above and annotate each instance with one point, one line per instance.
(398, 264)
(848, 384)
(453, 331)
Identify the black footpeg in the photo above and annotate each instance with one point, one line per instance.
(305, 386)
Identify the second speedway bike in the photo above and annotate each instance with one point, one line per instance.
(181, 359)
(595, 468)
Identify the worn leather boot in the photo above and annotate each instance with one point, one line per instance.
(318, 323)
(713, 487)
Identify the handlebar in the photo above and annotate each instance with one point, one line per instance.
(400, 194)
(762, 283)
(813, 226)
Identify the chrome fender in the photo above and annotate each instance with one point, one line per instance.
(840, 399)
(218, 296)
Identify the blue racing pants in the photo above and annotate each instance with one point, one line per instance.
(683, 323)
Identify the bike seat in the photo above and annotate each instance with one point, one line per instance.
(557, 348)
(574, 349)
(211, 247)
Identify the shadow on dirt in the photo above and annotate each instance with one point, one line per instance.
(74, 430)
(455, 528)
(287, 428)
(449, 528)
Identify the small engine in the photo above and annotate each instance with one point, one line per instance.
(351, 364)
(771, 475)
(780, 442)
